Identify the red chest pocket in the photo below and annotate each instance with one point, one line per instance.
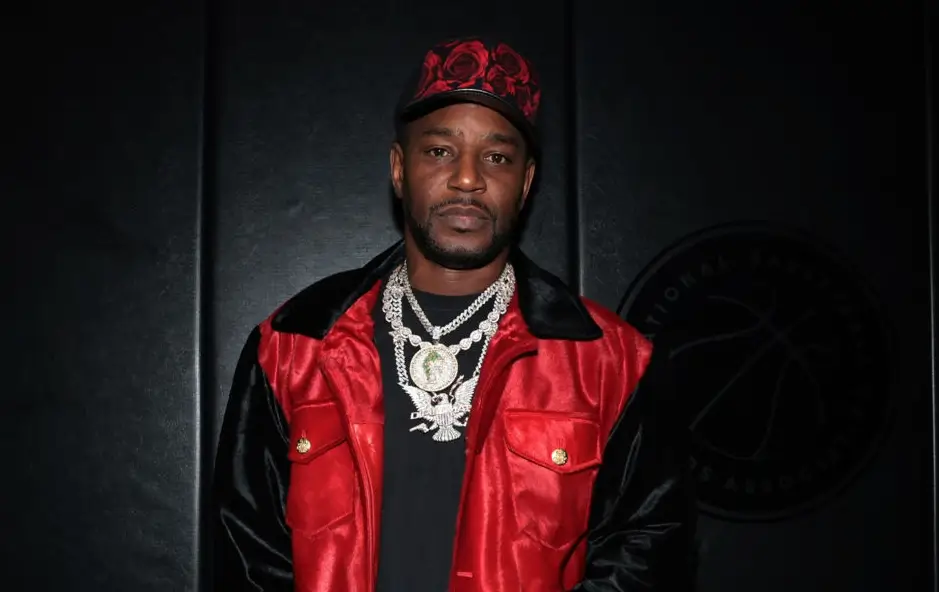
(322, 477)
(553, 460)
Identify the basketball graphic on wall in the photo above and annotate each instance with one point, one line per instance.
(781, 358)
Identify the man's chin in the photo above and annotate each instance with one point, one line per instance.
(459, 257)
(451, 249)
(454, 242)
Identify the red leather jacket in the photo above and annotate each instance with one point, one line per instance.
(298, 482)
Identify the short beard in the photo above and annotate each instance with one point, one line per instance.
(459, 258)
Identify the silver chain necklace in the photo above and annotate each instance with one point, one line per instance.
(441, 402)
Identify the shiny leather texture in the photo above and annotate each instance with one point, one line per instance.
(299, 472)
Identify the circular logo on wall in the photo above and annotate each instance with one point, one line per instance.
(779, 352)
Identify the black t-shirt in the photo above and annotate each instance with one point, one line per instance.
(422, 477)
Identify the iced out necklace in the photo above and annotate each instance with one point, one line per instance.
(441, 398)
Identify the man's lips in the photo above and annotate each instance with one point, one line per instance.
(464, 211)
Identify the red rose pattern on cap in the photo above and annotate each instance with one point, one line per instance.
(470, 64)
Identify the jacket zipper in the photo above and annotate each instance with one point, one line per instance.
(510, 356)
(365, 484)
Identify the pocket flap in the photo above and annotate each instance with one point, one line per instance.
(556, 441)
(314, 429)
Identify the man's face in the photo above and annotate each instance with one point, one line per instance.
(463, 177)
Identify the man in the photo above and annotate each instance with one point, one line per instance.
(450, 416)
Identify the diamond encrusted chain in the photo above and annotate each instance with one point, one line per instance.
(437, 332)
(434, 367)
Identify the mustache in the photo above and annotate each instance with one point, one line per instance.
(467, 202)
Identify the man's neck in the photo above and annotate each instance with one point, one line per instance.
(427, 276)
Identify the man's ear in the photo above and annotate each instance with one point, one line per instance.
(530, 167)
(396, 162)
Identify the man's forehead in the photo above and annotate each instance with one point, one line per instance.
(501, 136)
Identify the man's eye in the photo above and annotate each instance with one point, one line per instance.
(499, 159)
(437, 152)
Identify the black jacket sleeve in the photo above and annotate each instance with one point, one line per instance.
(642, 520)
(252, 545)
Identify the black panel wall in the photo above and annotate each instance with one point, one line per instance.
(727, 169)
(805, 357)
(99, 427)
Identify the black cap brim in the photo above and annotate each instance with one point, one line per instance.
(422, 107)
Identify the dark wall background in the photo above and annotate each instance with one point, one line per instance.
(99, 422)
(204, 163)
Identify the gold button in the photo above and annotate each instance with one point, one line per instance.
(559, 457)
(303, 445)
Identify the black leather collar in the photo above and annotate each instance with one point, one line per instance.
(550, 309)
